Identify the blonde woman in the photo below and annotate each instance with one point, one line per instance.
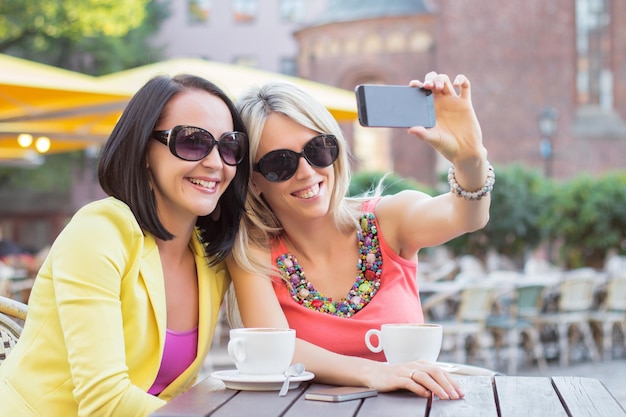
(332, 267)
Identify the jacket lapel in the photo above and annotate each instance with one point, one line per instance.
(152, 273)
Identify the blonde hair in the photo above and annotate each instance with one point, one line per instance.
(259, 226)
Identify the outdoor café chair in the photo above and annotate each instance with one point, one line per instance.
(12, 316)
(610, 314)
(575, 300)
(466, 330)
(522, 307)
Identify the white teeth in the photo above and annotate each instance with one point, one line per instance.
(203, 183)
(311, 192)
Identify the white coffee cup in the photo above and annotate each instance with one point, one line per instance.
(407, 342)
(262, 351)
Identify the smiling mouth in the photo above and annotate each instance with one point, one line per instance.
(309, 192)
(210, 185)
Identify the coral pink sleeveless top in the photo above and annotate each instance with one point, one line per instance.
(179, 352)
(396, 301)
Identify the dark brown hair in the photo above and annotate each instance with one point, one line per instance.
(122, 168)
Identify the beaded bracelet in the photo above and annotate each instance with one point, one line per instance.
(456, 189)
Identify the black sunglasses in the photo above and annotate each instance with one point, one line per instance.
(281, 164)
(192, 143)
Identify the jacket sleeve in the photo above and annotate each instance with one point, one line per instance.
(93, 254)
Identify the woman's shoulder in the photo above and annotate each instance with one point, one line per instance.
(105, 216)
(109, 207)
(108, 204)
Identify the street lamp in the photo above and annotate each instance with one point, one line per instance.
(547, 127)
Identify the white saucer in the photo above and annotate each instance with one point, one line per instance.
(234, 380)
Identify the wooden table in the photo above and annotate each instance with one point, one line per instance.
(506, 396)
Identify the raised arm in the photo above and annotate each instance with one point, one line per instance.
(415, 220)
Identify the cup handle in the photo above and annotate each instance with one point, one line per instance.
(368, 342)
(237, 349)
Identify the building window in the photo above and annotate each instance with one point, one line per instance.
(288, 66)
(594, 78)
(293, 11)
(198, 11)
(245, 11)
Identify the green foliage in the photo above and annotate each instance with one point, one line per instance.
(42, 21)
(113, 54)
(587, 218)
(119, 40)
(362, 182)
(54, 175)
(517, 201)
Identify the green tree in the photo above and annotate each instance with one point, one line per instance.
(90, 36)
(518, 199)
(54, 175)
(587, 218)
(44, 22)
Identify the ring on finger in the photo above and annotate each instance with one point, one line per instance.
(411, 373)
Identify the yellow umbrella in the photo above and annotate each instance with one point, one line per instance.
(234, 80)
(71, 109)
(75, 111)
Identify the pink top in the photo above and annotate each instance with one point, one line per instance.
(396, 301)
(179, 352)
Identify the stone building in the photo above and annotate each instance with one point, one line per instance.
(522, 58)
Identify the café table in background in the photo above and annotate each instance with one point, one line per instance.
(498, 396)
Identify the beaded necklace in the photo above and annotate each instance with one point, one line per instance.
(369, 267)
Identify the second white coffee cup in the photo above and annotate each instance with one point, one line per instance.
(262, 351)
(406, 342)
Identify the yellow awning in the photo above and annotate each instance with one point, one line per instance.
(76, 111)
(69, 108)
(234, 80)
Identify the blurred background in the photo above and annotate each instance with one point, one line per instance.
(548, 83)
(549, 88)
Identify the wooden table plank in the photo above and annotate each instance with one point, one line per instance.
(587, 397)
(309, 408)
(479, 400)
(258, 404)
(527, 396)
(199, 401)
(399, 403)
(504, 396)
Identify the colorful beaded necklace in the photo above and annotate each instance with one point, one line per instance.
(367, 282)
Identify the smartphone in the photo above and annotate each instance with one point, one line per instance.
(394, 106)
(338, 394)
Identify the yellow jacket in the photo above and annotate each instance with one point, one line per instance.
(95, 331)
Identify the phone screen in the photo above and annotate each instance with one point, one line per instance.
(338, 394)
(394, 106)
